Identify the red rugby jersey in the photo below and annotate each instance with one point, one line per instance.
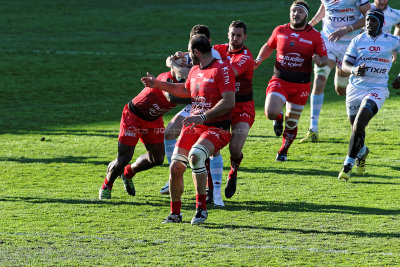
(206, 86)
(242, 61)
(151, 103)
(294, 51)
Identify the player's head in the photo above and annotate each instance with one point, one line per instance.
(198, 45)
(374, 19)
(237, 34)
(299, 14)
(381, 4)
(200, 29)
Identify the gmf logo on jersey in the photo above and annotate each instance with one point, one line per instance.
(375, 48)
(295, 35)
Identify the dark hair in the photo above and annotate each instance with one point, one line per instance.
(200, 29)
(302, 3)
(239, 24)
(200, 42)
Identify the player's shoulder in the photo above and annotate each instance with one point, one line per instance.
(164, 76)
(220, 46)
(390, 37)
(392, 12)
(247, 52)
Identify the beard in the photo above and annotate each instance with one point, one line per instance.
(235, 47)
(299, 24)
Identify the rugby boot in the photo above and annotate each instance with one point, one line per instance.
(360, 163)
(311, 137)
(345, 172)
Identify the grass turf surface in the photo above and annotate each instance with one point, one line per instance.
(69, 67)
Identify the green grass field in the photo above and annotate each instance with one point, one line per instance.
(68, 68)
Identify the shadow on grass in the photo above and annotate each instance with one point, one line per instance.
(260, 206)
(304, 231)
(68, 159)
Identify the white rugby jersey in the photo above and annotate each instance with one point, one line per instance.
(376, 54)
(340, 13)
(392, 17)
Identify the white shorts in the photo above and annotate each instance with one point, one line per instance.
(354, 97)
(336, 51)
(185, 112)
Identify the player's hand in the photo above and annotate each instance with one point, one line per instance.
(359, 70)
(396, 83)
(336, 35)
(180, 54)
(317, 60)
(394, 57)
(168, 61)
(192, 121)
(149, 80)
(257, 62)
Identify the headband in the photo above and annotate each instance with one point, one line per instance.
(303, 7)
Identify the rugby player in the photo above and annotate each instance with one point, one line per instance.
(368, 59)
(297, 45)
(242, 63)
(341, 23)
(211, 86)
(141, 119)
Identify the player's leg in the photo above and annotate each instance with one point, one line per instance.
(274, 101)
(293, 113)
(363, 108)
(171, 133)
(341, 81)
(321, 75)
(115, 169)
(240, 131)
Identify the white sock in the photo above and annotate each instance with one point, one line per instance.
(349, 160)
(316, 102)
(169, 148)
(216, 168)
(361, 152)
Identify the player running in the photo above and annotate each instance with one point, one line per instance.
(297, 45)
(211, 86)
(341, 23)
(141, 119)
(242, 63)
(368, 59)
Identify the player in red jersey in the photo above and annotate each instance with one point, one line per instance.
(243, 114)
(141, 119)
(211, 86)
(297, 45)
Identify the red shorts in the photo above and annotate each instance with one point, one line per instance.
(296, 93)
(244, 112)
(132, 128)
(217, 136)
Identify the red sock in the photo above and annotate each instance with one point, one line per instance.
(128, 172)
(210, 183)
(107, 184)
(287, 139)
(234, 167)
(279, 118)
(176, 207)
(201, 201)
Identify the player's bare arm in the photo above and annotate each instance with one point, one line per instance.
(335, 36)
(318, 16)
(265, 52)
(226, 104)
(176, 89)
(349, 68)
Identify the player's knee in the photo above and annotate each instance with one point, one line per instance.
(291, 124)
(197, 157)
(179, 164)
(341, 84)
(322, 72)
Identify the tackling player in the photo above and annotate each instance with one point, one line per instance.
(297, 44)
(211, 86)
(141, 119)
(368, 59)
(242, 63)
(341, 23)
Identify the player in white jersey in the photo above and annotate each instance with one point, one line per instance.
(392, 16)
(368, 59)
(341, 23)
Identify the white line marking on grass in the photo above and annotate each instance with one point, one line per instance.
(141, 241)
